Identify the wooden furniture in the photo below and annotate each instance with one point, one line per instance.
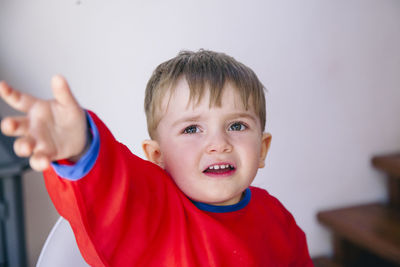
(367, 235)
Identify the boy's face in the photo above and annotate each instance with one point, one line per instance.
(212, 153)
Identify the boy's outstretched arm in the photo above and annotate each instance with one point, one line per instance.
(49, 130)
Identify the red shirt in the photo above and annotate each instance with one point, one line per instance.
(128, 212)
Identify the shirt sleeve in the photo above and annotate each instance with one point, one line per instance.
(82, 167)
(116, 203)
(302, 256)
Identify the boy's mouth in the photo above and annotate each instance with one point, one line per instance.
(219, 169)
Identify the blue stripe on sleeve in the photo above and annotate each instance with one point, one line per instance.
(86, 162)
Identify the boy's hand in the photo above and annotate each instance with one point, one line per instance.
(50, 129)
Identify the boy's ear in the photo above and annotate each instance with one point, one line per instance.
(152, 152)
(265, 143)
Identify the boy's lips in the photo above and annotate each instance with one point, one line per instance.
(220, 169)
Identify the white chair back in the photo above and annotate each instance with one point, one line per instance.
(60, 248)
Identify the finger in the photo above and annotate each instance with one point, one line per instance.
(61, 91)
(39, 162)
(17, 100)
(23, 146)
(15, 126)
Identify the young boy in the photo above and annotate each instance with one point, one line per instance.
(191, 204)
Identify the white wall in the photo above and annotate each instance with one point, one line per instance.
(331, 69)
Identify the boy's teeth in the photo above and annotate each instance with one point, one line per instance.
(217, 167)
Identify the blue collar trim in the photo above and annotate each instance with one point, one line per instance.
(229, 208)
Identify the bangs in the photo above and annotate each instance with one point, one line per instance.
(203, 70)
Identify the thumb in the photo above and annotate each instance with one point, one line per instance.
(61, 91)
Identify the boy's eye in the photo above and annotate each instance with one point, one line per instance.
(191, 129)
(237, 126)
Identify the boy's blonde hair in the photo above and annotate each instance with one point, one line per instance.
(202, 70)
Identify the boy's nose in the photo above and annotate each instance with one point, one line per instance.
(218, 143)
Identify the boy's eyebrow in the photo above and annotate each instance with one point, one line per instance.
(243, 115)
(187, 119)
